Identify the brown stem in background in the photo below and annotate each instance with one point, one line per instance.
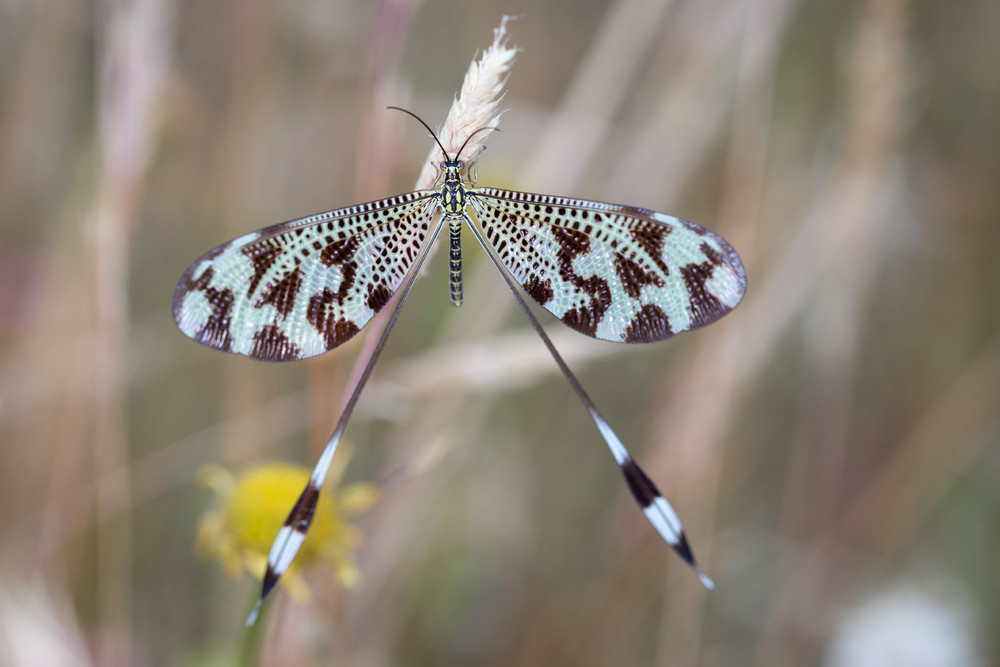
(698, 424)
(132, 63)
(878, 86)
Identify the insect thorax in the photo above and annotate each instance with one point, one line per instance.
(452, 189)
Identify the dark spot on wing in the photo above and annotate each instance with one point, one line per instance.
(649, 324)
(341, 254)
(705, 307)
(634, 277)
(262, 256)
(271, 344)
(714, 257)
(646, 493)
(282, 294)
(302, 513)
(378, 296)
(651, 238)
(270, 579)
(322, 316)
(299, 520)
(639, 484)
(572, 243)
(540, 290)
(215, 332)
(338, 252)
(585, 318)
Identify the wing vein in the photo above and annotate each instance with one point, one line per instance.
(616, 273)
(303, 287)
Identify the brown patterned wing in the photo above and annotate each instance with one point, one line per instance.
(613, 272)
(301, 288)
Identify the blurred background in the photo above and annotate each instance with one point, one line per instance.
(830, 446)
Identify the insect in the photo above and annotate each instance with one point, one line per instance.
(303, 287)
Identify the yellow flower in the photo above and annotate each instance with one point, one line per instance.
(251, 508)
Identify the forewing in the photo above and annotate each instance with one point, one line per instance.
(613, 272)
(301, 288)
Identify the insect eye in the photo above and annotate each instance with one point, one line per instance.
(461, 165)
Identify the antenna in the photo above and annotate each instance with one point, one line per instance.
(446, 156)
(459, 153)
(421, 120)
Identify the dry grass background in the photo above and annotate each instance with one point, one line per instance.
(830, 444)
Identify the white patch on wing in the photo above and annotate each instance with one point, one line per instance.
(669, 220)
(201, 268)
(725, 286)
(665, 520)
(195, 311)
(243, 336)
(617, 448)
(286, 545)
(675, 302)
(244, 240)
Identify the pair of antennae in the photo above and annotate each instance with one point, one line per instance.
(438, 141)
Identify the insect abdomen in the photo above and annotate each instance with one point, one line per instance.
(455, 259)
